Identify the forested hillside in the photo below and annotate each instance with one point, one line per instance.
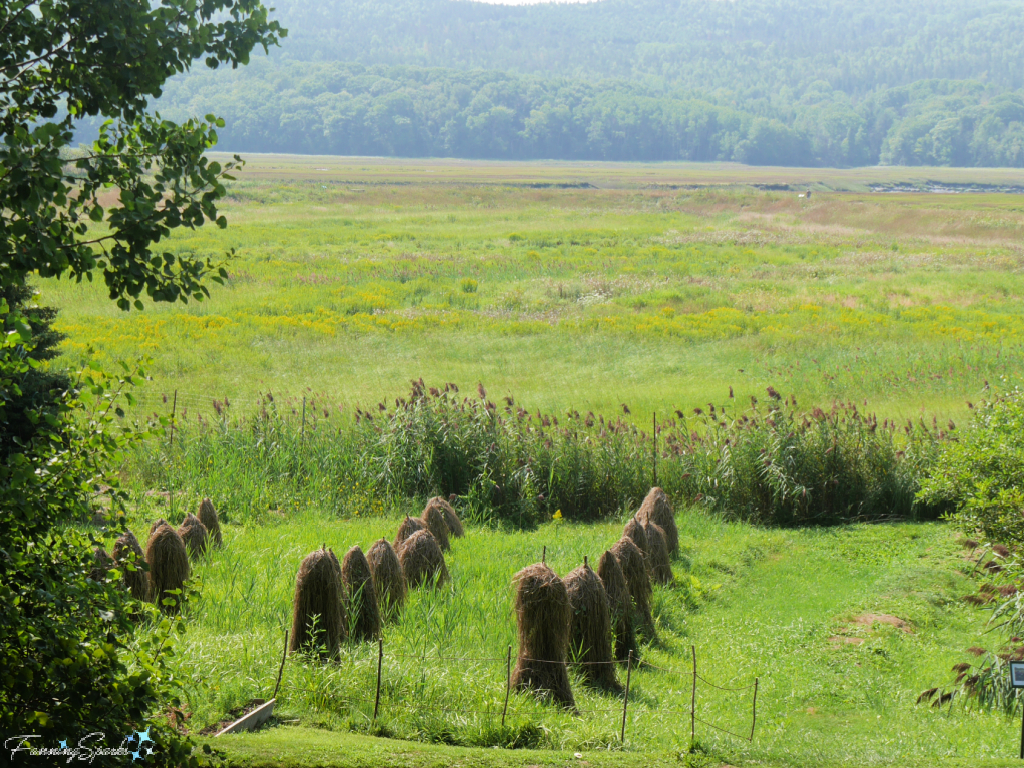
(759, 81)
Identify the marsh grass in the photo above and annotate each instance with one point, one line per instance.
(658, 294)
(769, 463)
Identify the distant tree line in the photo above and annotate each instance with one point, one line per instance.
(789, 82)
(351, 109)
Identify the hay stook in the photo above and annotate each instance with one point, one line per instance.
(194, 534)
(656, 508)
(131, 560)
(433, 519)
(407, 528)
(208, 516)
(620, 605)
(590, 638)
(388, 578)
(543, 615)
(318, 616)
(363, 611)
(422, 561)
(658, 561)
(634, 569)
(167, 559)
(635, 532)
(451, 519)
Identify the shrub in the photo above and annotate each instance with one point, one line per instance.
(979, 478)
(468, 285)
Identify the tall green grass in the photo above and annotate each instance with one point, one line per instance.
(755, 602)
(769, 464)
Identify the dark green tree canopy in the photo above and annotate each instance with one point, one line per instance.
(61, 60)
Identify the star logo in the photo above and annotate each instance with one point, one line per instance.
(144, 736)
(136, 756)
(64, 745)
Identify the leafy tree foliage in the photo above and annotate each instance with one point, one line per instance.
(77, 655)
(980, 476)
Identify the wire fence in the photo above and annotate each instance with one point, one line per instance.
(180, 401)
(631, 664)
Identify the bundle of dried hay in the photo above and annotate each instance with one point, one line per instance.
(634, 569)
(657, 509)
(408, 527)
(422, 560)
(156, 525)
(194, 534)
(433, 519)
(450, 518)
(657, 554)
(621, 606)
(387, 577)
(130, 559)
(167, 559)
(635, 532)
(590, 638)
(101, 564)
(543, 614)
(363, 613)
(208, 517)
(318, 618)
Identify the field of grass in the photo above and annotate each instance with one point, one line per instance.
(588, 287)
(351, 282)
(777, 605)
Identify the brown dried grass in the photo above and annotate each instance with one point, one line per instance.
(194, 534)
(657, 554)
(131, 560)
(407, 528)
(363, 612)
(433, 519)
(167, 559)
(635, 532)
(388, 578)
(208, 517)
(590, 637)
(621, 606)
(450, 518)
(656, 508)
(318, 618)
(634, 569)
(543, 615)
(422, 561)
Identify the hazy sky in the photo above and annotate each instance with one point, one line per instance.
(531, 2)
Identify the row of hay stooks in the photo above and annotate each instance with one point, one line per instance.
(598, 615)
(166, 557)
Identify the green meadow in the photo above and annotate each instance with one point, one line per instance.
(348, 282)
(622, 290)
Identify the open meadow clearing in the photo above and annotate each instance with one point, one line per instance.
(593, 295)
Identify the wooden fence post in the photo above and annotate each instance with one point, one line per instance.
(625, 698)
(508, 684)
(380, 660)
(174, 412)
(654, 450)
(754, 723)
(280, 670)
(693, 699)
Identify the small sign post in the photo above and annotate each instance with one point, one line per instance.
(1017, 681)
